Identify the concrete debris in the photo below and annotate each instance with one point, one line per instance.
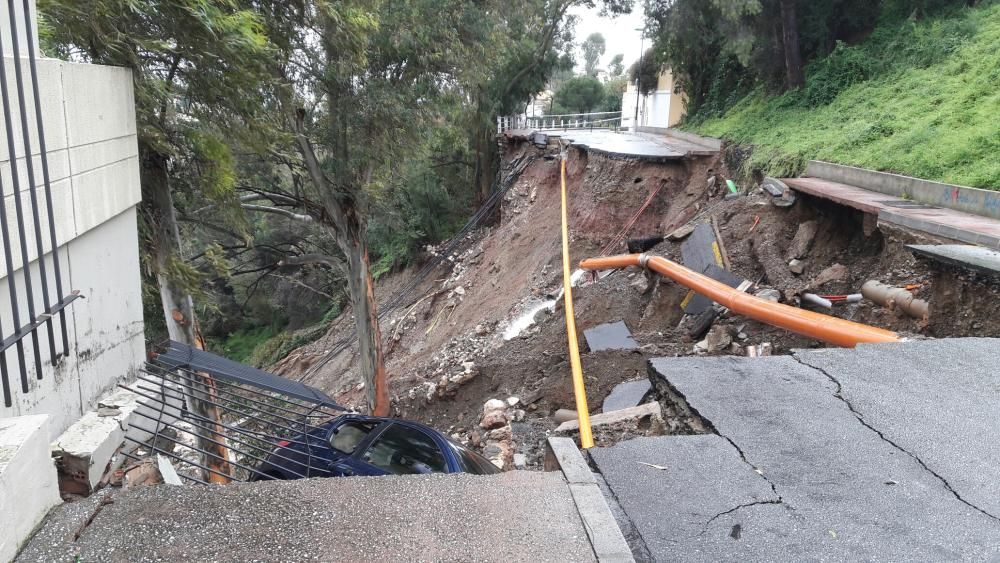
(769, 295)
(564, 415)
(482, 330)
(641, 284)
(718, 339)
(612, 427)
(774, 187)
(498, 443)
(520, 461)
(836, 272)
(681, 233)
(796, 266)
(803, 240)
(759, 350)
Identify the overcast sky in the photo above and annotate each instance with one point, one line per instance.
(619, 34)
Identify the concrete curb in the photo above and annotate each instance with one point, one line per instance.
(605, 536)
(960, 198)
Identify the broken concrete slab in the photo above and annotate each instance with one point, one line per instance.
(974, 258)
(610, 336)
(702, 478)
(626, 395)
(85, 450)
(855, 491)
(612, 427)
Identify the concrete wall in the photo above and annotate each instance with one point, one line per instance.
(661, 108)
(90, 130)
(961, 198)
(28, 487)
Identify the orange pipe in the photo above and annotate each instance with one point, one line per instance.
(807, 323)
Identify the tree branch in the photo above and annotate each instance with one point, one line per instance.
(278, 211)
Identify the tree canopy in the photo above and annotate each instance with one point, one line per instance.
(593, 49)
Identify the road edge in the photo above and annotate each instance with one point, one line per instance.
(606, 538)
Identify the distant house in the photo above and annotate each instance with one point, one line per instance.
(663, 107)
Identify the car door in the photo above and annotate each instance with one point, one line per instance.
(402, 449)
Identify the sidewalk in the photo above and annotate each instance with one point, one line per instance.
(515, 516)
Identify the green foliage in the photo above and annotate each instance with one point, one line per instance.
(925, 104)
(240, 345)
(270, 351)
(580, 94)
(613, 90)
(648, 75)
(838, 71)
(615, 68)
(593, 49)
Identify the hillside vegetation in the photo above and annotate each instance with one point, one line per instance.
(920, 98)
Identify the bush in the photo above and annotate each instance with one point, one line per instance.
(829, 76)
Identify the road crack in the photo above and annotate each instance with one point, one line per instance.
(857, 414)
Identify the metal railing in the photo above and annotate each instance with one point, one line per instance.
(40, 309)
(610, 120)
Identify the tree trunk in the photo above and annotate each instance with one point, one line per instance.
(345, 221)
(794, 76)
(178, 308)
(362, 293)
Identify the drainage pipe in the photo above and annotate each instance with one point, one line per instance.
(829, 329)
(896, 297)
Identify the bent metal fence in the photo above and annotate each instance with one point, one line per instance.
(610, 120)
(262, 416)
(42, 304)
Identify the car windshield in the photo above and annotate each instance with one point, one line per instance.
(346, 437)
(472, 462)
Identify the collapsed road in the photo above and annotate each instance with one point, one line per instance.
(888, 450)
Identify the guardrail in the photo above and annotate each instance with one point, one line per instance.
(610, 120)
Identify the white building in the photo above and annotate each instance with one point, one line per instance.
(89, 126)
(661, 108)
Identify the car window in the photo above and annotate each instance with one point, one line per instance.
(402, 450)
(347, 436)
(471, 462)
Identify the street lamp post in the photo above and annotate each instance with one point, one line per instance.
(638, 78)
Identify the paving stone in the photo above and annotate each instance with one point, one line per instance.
(610, 336)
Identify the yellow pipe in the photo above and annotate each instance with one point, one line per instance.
(579, 389)
(829, 329)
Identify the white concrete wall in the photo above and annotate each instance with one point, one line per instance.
(8, 49)
(90, 130)
(28, 485)
(661, 108)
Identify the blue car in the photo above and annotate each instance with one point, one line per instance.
(369, 445)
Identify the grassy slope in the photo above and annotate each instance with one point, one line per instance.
(935, 116)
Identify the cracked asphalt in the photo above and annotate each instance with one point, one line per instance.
(884, 452)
